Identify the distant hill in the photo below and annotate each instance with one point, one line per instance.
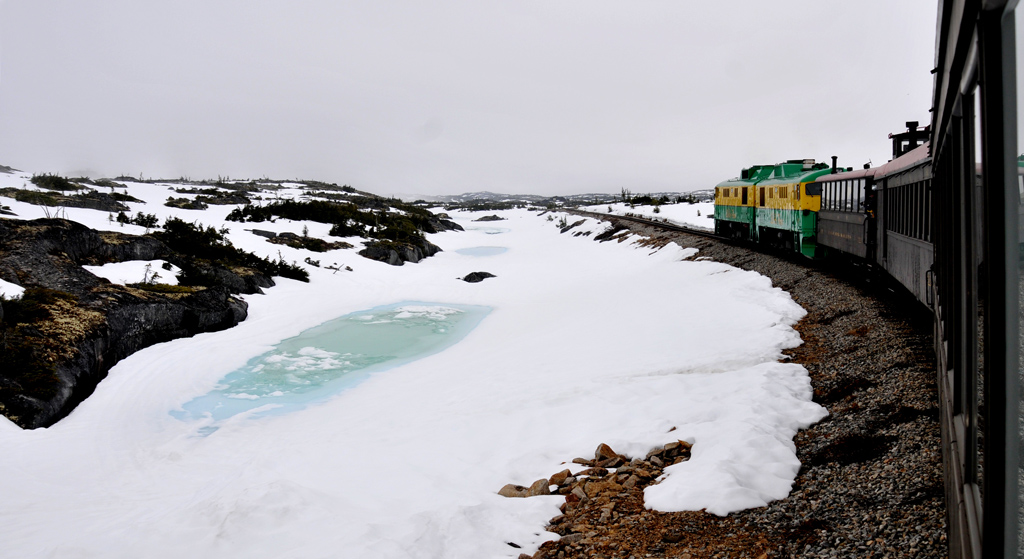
(494, 200)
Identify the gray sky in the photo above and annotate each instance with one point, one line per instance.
(523, 96)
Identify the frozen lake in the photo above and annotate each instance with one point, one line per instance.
(482, 251)
(334, 356)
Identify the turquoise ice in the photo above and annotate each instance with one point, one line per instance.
(335, 356)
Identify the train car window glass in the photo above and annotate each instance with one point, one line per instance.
(921, 210)
(761, 196)
(898, 209)
(744, 196)
(917, 211)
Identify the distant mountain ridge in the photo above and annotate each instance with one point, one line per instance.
(537, 200)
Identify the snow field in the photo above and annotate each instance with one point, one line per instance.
(678, 214)
(587, 343)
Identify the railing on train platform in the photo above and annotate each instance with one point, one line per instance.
(977, 274)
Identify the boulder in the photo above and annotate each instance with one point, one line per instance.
(560, 477)
(490, 218)
(477, 277)
(513, 491)
(539, 487)
(397, 254)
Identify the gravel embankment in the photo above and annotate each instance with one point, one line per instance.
(871, 481)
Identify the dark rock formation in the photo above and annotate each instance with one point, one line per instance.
(436, 224)
(576, 224)
(396, 254)
(89, 199)
(490, 218)
(89, 324)
(262, 233)
(477, 277)
(185, 203)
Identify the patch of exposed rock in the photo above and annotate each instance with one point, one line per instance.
(89, 199)
(490, 218)
(75, 326)
(477, 277)
(397, 253)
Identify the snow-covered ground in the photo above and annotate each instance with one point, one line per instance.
(699, 215)
(586, 343)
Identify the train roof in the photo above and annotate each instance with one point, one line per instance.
(913, 157)
(787, 172)
(858, 174)
(750, 176)
(796, 170)
(905, 161)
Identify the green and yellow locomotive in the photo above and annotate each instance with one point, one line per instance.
(773, 204)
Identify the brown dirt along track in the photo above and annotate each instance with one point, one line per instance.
(871, 480)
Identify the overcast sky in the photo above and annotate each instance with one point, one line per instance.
(523, 96)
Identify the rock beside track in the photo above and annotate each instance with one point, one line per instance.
(871, 483)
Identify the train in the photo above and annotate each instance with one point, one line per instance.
(879, 214)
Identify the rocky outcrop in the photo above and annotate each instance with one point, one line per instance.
(436, 224)
(604, 505)
(397, 254)
(477, 277)
(490, 218)
(88, 199)
(83, 324)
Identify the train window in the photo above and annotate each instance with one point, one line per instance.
(762, 196)
(736, 191)
(771, 193)
(784, 192)
(744, 202)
